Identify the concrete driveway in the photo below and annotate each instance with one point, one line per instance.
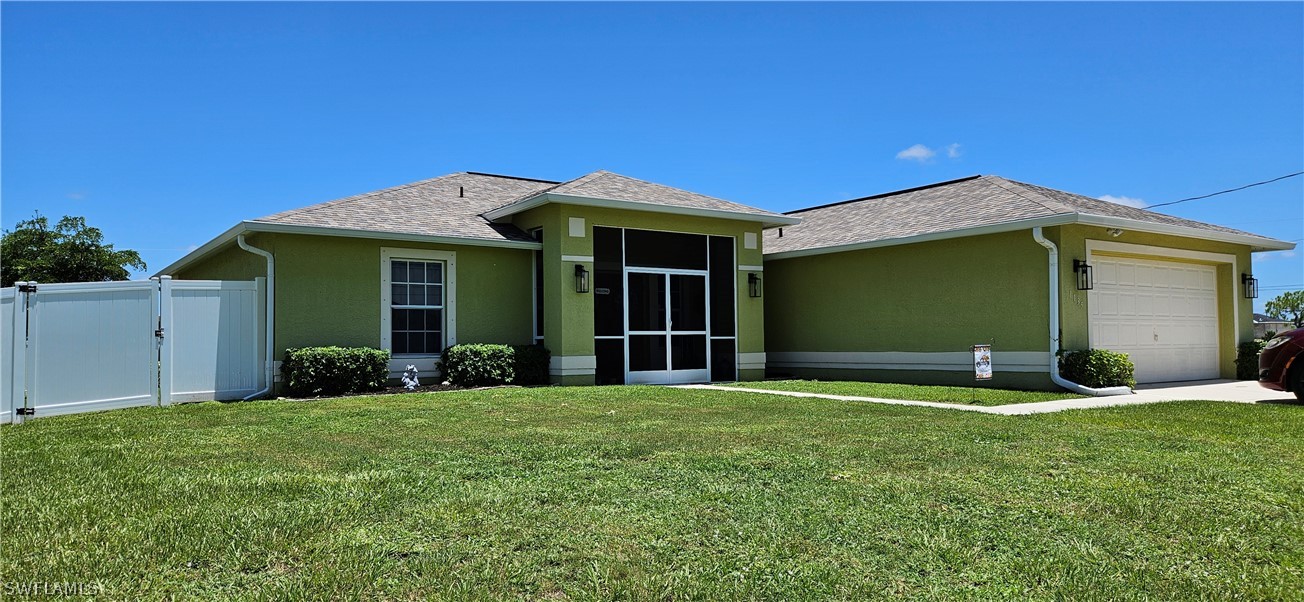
(1243, 391)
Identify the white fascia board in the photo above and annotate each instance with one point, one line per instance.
(1256, 243)
(252, 226)
(767, 221)
(382, 235)
(1055, 220)
(213, 245)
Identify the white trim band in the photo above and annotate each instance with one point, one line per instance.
(573, 365)
(578, 258)
(944, 361)
(751, 361)
(1256, 243)
(766, 220)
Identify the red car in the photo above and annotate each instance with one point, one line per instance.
(1281, 365)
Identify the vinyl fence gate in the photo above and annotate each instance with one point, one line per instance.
(82, 347)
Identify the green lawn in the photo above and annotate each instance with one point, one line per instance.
(978, 395)
(647, 493)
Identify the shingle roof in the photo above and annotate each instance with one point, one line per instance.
(453, 205)
(612, 186)
(445, 206)
(951, 206)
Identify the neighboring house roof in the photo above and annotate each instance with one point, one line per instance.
(972, 206)
(1267, 319)
(607, 189)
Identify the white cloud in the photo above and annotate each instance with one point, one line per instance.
(1123, 200)
(77, 196)
(1274, 255)
(918, 153)
(953, 151)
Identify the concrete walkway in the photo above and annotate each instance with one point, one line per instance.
(1213, 390)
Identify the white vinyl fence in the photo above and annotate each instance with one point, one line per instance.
(95, 346)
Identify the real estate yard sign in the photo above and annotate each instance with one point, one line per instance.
(982, 362)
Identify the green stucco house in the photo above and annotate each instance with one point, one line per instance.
(628, 281)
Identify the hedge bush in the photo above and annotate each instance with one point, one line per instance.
(334, 370)
(1247, 359)
(531, 365)
(481, 364)
(476, 364)
(1098, 368)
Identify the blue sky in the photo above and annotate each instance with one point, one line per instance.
(166, 123)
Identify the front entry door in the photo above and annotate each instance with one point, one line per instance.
(666, 327)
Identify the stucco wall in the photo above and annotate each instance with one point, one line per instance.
(928, 298)
(1235, 314)
(568, 324)
(328, 288)
(944, 296)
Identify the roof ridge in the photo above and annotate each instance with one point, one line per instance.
(886, 194)
(1050, 204)
(498, 175)
(356, 197)
(1095, 200)
(603, 172)
(533, 194)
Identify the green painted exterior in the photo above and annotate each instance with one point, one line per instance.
(328, 288)
(1072, 241)
(933, 296)
(940, 296)
(568, 316)
(948, 295)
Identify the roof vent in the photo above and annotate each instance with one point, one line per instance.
(461, 191)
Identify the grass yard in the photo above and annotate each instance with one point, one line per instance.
(980, 396)
(647, 493)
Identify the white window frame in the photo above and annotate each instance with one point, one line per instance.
(449, 258)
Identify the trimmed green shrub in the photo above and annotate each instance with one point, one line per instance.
(1098, 368)
(1247, 359)
(477, 364)
(482, 364)
(531, 364)
(334, 370)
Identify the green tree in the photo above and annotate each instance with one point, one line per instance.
(70, 252)
(1287, 306)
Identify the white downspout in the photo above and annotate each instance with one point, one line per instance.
(271, 311)
(1055, 327)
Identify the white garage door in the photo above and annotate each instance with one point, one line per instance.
(1163, 314)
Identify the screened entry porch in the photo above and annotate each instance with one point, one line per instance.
(664, 307)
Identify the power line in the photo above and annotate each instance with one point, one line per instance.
(1196, 198)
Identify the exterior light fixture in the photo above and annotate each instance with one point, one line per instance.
(581, 279)
(753, 284)
(1083, 270)
(1250, 286)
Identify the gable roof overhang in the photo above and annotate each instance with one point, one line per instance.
(226, 238)
(1257, 244)
(538, 200)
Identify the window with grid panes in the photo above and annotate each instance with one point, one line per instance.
(416, 307)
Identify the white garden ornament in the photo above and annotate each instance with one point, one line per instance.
(410, 381)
